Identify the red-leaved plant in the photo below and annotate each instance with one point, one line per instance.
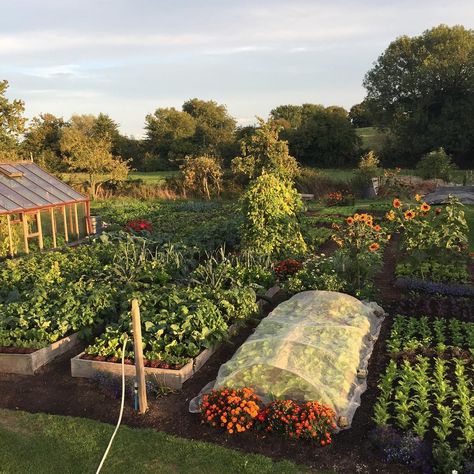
(286, 268)
(139, 225)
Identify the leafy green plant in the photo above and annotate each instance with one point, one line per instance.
(436, 164)
(382, 406)
(421, 390)
(317, 273)
(403, 402)
(270, 209)
(445, 420)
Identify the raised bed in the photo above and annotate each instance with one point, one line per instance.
(171, 378)
(28, 364)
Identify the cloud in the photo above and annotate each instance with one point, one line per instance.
(50, 41)
(59, 71)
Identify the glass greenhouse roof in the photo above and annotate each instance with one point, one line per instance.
(25, 186)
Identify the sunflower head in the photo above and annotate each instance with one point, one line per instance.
(409, 215)
(373, 247)
(425, 207)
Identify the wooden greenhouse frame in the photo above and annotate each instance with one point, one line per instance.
(28, 190)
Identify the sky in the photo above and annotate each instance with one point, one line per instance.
(126, 58)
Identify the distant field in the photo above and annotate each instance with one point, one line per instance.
(371, 138)
(152, 177)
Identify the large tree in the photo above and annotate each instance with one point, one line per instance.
(85, 150)
(169, 134)
(325, 138)
(360, 115)
(288, 116)
(215, 128)
(422, 89)
(42, 141)
(12, 124)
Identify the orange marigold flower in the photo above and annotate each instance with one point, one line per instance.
(410, 214)
(374, 247)
(350, 220)
(377, 228)
(425, 207)
(418, 197)
(397, 203)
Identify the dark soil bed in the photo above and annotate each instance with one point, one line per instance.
(16, 350)
(54, 391)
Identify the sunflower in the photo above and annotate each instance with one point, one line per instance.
(374, 247)
(418, 197)
(410, 214)
(397, 203)
(350, 220)
(356, 217)
(425, 207)
(363, 217)
(390, 215)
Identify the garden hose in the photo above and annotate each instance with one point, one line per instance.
(122, 404)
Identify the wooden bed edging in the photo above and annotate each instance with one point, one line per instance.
(169, 378)
(28, 364)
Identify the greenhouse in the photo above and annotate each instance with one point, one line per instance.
(314, 346)
(37, 210)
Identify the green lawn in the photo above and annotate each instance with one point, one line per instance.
(153, 177)
(51, 444)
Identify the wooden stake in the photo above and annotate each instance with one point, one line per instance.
(66, 234)
(76, 219)
(25, 232)
(71, 226)
(138, 350)
(10, 236)
(53, 225)
(87, 209)
(40, 230)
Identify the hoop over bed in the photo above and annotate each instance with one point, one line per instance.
(311, 347)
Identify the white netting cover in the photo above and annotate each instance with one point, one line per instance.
(311, 347)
